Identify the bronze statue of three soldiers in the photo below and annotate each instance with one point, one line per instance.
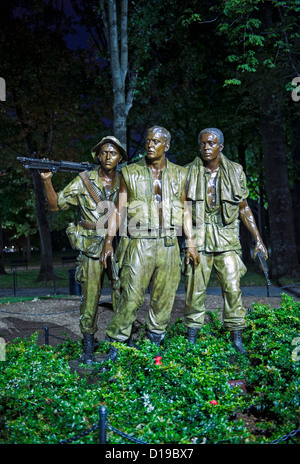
(148, 205)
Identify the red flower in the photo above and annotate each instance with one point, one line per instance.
(213, 402)
(158, 360)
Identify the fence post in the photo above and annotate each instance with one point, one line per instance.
(46, 336)
(54, 282)
(15, 282)
(102, 425)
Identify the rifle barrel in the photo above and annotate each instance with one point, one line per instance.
(54, 166)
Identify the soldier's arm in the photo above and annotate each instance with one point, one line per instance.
(248, 220)
(191, 251)
(51, 195)
(114, 224)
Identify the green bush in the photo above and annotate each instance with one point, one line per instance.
(185, 399)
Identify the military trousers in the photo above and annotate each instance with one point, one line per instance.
(147, 261)
(229, 269)
(89, 273)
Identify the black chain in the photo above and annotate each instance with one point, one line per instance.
(95, 427)
(285, 437)
(136, 440)
(124, 435)
(80, 434)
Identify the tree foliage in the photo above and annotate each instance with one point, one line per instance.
(183, 65)
(51, 108)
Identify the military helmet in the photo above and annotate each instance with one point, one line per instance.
(114, 141)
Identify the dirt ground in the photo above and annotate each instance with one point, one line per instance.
(61, 316)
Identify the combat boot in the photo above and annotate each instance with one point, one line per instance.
(236, 339)
(155, 338)
(111, 356)
(88, 349)
(132, 344)
(192, 335)
(113, 353)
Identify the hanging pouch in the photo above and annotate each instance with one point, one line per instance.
(73, 235)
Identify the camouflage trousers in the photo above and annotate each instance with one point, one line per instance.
(146, 261)
(90, 274)
(229, 269)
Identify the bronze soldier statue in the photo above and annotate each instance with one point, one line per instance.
(217, 190)
(152, 195)
(94, 192)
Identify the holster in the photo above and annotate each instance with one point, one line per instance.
(121, 250)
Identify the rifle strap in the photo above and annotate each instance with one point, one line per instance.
(90, 187)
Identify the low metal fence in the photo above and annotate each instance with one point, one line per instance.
(102, 426)
(71, 287)
(21, 285)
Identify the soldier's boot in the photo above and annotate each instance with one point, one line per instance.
(192, 335)
(155, 338)
(88, 356)
(237, 342)
(113, 354)
(132, 344)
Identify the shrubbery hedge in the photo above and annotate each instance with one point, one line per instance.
(185, 399)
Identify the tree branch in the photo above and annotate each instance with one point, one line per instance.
(130, 93)
(4, 145)
(105, 22)
(287, 42)
(49, 149)
(124, 40)
(114, 45)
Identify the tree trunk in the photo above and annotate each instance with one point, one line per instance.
(296, 187)
(245, 236)
(120, 117)
(46, 265)
(28, 247)
(118, 64)
(284, 261)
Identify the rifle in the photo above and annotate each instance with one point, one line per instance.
(264, 267)
(54, 166)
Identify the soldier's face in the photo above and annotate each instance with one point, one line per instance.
(109, 156)
(155, 145)
(209, 147)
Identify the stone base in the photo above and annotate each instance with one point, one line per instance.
(85, 370)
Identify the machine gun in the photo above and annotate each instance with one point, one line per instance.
(260, 257)
(44, 164)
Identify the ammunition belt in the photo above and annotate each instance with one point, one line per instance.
(88, 225)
